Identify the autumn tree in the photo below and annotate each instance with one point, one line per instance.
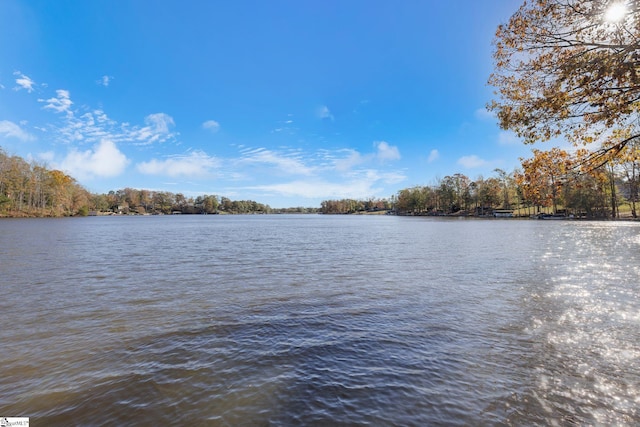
(342, 206)
(544, 175)
(407, 201)
(507, 187)
(488, 193)
(162, 201)
(586, 193)
(207, 204)
(569, 68)
(62, 193)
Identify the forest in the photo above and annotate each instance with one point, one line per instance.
(29, 189)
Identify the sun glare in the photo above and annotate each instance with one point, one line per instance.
(616, 12)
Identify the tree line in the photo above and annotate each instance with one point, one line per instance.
(141, 202)
(553, 181)
(349, 206)
(550, 181)
(30, 189)
(136, 201)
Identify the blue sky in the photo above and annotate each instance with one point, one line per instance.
(284, 102)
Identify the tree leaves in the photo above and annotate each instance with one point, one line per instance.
(561, 70)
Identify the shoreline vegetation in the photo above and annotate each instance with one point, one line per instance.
(33, 190)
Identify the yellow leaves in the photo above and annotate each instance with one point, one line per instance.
(61, 179)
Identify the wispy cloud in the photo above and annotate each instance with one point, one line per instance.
(60, 104)
(48, 157)
(211, 125)
(508, 138)
(90, 126)
(286, 126)
(323, 112)
(347, 159)
(433, 156)
(93, 143)
(12, 130)
(157, 129)
(386, 151)
(285, 163)
(393, 177)
(196, 164)
(352, 159)
(471, 162)
(23, 82)
(104, 81)
(104, 160)
(333, 174)
(320, 189)
(358, 185)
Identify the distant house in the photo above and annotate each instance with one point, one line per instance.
(503, 213)
(123, 208)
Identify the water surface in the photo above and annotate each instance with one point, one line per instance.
(319, 320)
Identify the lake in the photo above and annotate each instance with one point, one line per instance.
(319, 320)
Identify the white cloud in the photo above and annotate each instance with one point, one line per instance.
(433, 156)
(286, 126)
(508, 138)
(47, 157)
(386, 151)
(11, 130)
(60, 104)
(358, 185)
(285, 163)
(471, 162)
(159, 122)
(95, 125)
(393, 177)
(104, 160)
(315, 189)
(354, 158)
(196, 164)
(157, 129)
(23, 82)
(211, 125)
(104, 81)
(324, 113)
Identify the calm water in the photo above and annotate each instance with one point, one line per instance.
(319, 320)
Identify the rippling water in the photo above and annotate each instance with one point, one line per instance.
(319, 320)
